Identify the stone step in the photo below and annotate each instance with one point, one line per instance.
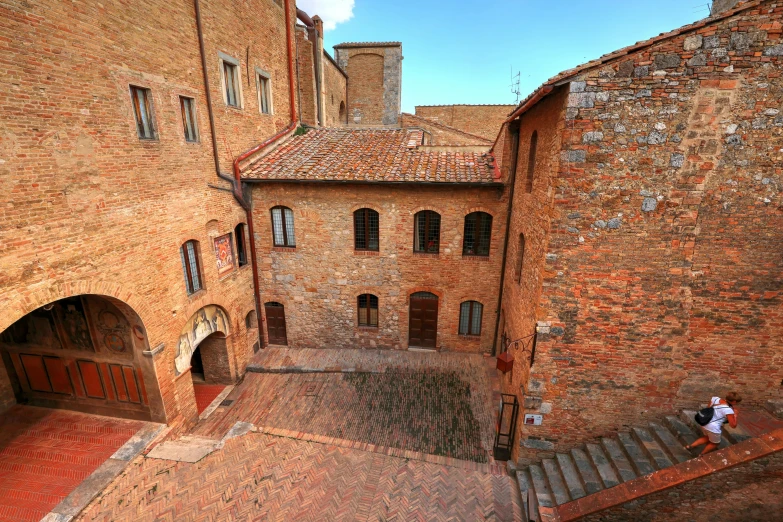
(542, 494)
(618, 459)
(669, 442)
(737, 434)
(590, 477)
(556, 484)
(523, 480)
(775, 407)
(605, 469)
(648, 443)
(682, 431)
(640, 462)
(571, 476)
(689, 416)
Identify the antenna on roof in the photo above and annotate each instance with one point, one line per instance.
(515, 90)
(700, 7)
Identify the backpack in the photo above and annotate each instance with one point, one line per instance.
(705, 415)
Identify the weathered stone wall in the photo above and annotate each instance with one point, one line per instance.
(335, 90)
(751, 491)
(662, 279)
(483, 120)
(441, 134)
(318, 282)
(306, 78)
(375, 82)
(89, 208)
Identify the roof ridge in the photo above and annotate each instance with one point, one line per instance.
(439, 124)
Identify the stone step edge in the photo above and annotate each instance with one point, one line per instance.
(491, 468)
(661, 480)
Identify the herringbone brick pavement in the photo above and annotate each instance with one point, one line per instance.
(260, 477)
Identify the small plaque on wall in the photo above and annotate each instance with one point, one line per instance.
(533, 420)
(224, 254)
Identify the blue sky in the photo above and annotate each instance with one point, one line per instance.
(462, 51)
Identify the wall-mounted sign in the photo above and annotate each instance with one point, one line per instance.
(533, 420)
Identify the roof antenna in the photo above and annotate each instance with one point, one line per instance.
(515, 85)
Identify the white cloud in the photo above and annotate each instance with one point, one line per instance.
(332, 12)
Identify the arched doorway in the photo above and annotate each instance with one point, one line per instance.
(203, 349)
(423, 320)
(82, 353)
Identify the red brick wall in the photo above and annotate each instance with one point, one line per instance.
(306, 78)
(440, 134)
(365, 85)
(335, 90)
(319, 281)
(661, 278)
(483, 120)
(90, 208)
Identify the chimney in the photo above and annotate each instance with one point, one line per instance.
(318, 52)
(721, 6)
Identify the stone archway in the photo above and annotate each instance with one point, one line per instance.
(207, 331)
(84, 353)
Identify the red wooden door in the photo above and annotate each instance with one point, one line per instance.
(423, 330)
(275, 323)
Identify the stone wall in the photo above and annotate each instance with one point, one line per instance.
(306, 78)
(375, 81)
(335, 91)
(440, 134)
(318, 282)
(90, 208)
(661, 284)
(483, 120)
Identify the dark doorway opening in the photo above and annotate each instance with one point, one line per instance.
(197, 366)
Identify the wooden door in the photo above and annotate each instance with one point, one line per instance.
(275, 323)
(423, 322)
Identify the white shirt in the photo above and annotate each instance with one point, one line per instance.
(721, 410)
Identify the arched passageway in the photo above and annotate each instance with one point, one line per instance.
(82, 353)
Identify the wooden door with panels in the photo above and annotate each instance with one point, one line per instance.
(423, 321)
(275, 323)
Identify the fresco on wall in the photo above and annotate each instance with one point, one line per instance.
(206, 321)
(111, 327)
(224, 253)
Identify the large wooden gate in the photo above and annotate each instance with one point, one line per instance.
(275, 323)
(423, 331)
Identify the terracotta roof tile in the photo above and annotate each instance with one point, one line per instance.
(368, 155)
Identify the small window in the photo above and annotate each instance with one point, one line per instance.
(365, 229)
(283, 227)
(142, 109)
(520, 257)
(478, 231)
(229, 72)
(531, 162)
(426, 234)
(239, 233)
(368, 310)
(191, 266)
(251, 320)
(264, 94)
(187, 107)
(470, 318)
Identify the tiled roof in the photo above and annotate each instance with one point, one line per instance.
(469, 105)
(568, 74)
(368, 44)
(368, 155)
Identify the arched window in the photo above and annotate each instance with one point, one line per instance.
(470, 318)
(251, 320)
(426, 233)
(191, 267)
(283, 227)
(520, 257)
(478, 231)
(368, 310)
(342, 111)
(365, 229)
(239, 234)
(531, 162)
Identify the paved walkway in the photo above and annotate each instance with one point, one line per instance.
(45, 454)
(205, 394)
(271, 478)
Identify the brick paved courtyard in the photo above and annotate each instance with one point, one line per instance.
(264, 477)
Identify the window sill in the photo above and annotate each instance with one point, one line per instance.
(367, 328)
(475, 257)
(366, 253)
(427, 254)
(470, 337)
(197, 293)
(283, 249)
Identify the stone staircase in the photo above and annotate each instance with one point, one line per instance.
(627, 455)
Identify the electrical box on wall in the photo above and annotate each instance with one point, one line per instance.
(533, 420)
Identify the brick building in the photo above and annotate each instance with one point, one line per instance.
(373, 240)
(645, 233)
(482, 120)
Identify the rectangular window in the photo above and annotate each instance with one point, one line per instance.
(190, 266)
(365, 228)
(239, 232)
(187, 107)
(229, 71)
(283, 227)
(264, 94)
(470, 318)
(426, 236)
(478, 230)
(368, 310)
(142, 110)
